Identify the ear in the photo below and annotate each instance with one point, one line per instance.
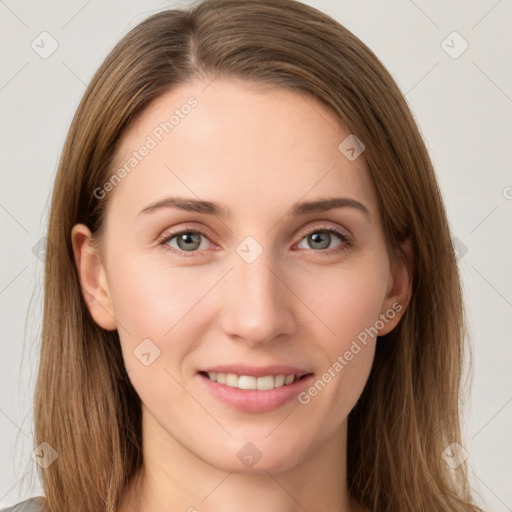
(92, 277)
(399, 290)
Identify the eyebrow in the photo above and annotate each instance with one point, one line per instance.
(211, 208)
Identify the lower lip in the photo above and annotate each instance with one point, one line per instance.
(253, 400)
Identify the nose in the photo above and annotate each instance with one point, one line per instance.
(258, 305)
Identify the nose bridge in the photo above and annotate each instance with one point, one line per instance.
(258, 304)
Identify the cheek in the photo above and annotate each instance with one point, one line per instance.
(150, 298)
(152, 305)
(348, 304)
(343, 302)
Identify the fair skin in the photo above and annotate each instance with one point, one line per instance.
(254, 152)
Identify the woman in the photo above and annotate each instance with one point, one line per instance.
(251, 297)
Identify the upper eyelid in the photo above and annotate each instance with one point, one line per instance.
(171, 234)
(307, 231)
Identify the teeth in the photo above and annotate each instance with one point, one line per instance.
(265, 383)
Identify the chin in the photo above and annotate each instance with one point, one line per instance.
(257, 458)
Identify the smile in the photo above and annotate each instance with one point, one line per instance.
(264, 383)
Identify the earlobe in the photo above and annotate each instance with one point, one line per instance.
(92, 277)
(399, 289)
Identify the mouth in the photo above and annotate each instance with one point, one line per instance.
(250, 382)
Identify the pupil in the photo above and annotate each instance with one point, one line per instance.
(186, 238)
(316, 239)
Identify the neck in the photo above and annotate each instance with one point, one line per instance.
(174, 478)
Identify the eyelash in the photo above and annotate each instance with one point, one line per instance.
(346, 241)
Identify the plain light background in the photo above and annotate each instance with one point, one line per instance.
(462, 103)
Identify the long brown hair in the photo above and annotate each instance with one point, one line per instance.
(409, 412)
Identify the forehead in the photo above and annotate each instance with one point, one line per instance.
(237, 143)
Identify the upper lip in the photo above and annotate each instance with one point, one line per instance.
(257, 371)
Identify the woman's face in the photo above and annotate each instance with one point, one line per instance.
(258, 281)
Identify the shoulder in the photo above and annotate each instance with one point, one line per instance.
(30, 505)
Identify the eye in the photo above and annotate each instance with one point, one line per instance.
(191, 241)
(321, 238)
(184, 241)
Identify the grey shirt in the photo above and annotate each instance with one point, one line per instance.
(30, 505)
